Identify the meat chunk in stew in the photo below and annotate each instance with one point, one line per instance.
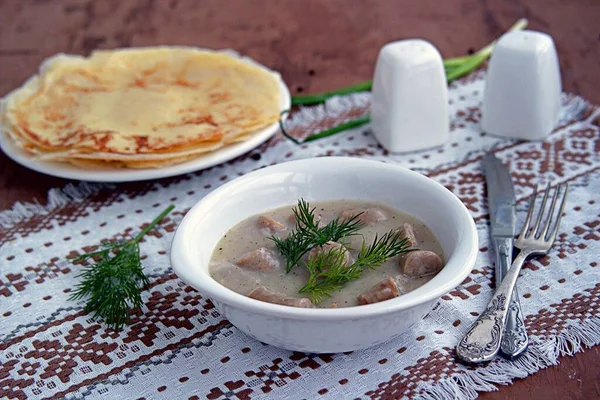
(365, 216)
(421, 263)
(269, 225)
(259, 260)
(407, 231)
(263, 294)
(329, 246)
(384, 290)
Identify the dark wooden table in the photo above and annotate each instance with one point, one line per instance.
(316, 45)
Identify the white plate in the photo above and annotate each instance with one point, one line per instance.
(66, 170)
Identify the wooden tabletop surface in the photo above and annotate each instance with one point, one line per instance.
(316, 45)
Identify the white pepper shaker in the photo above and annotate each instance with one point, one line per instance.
(522, 88)
(409, 108)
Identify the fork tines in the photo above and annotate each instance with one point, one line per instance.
(541, 230)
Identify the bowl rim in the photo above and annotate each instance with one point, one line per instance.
(182, 263)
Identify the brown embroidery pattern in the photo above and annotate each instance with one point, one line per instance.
(178, 345)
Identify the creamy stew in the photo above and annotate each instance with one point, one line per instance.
(247, 261)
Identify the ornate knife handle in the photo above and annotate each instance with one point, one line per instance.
(483, 340)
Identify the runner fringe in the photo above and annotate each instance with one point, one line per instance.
(572, 109)
(540, 355)
(56, 198)
(592, 117)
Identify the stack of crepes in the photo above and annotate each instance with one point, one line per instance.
(140, 108)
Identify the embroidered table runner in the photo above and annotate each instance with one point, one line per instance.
(178, 346)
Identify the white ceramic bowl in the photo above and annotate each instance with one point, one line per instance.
(320, 179)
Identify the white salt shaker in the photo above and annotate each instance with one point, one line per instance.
(522, 88)
(409, 108)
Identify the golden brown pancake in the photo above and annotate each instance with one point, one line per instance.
(140, 108)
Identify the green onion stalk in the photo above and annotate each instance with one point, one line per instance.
(455, 68)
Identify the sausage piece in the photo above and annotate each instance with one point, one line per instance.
(269, 225)
(407, 231)
(368, 216)
(329, 246)
(259, 260)
(263, 294)
(384, 290)
(420, 263)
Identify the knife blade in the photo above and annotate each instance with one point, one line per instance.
(501, 197)
(501, 205)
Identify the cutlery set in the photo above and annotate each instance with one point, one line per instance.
(501, 327)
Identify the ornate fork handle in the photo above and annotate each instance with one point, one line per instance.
(514, 338)
(483, 340)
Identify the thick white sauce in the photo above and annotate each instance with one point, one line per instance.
(247, 236)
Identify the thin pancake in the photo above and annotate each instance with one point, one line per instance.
(140, 104)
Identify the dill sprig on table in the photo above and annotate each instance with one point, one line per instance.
(308, 234)
(113, 284)
(328, 271)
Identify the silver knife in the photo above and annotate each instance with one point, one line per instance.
(501, 203)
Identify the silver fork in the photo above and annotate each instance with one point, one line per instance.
(483, 340)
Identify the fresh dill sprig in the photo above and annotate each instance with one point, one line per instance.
(308, 234)
(389, 245)
(293, 247)
(113, 285)
(328, 271)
